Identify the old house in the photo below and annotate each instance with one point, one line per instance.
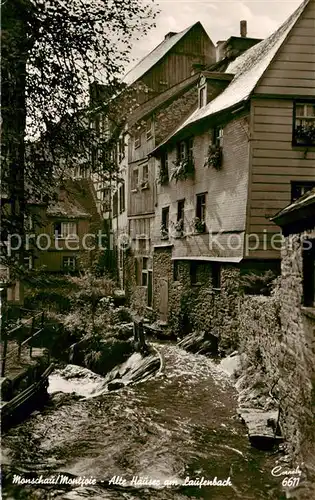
(150, 124)
(62, 236)
(248, 149)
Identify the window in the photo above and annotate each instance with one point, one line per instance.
(149, 130)
(121, 149)
(298, 188)
(137, 139)
(69, 263)
(180, 210)
(165, 218)
(134, 179)
(145, 173)
(28, 222)
(115, 204)
(105, 195)
(201, 207)
(182, 150)
(122, 198)
(185, 149)
(304, 124)
(309, 273)
(199, 272)
(144, 274)
(202, 96)
(217, 137)
(216, 275)
(65, 229)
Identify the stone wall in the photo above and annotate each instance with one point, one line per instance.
(198, 306)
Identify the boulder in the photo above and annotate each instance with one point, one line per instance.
(115, 384)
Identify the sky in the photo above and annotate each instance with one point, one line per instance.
(220, 18)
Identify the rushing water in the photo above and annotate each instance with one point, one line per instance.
(181, 423)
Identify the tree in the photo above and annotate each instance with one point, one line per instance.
(52, 51)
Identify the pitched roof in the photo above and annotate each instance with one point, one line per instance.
(248, 69)
(154, 56)
(68, 205)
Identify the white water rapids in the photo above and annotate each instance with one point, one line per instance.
(179, 424)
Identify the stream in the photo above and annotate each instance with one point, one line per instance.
(180, 424)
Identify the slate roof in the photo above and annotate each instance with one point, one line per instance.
(154, 56)
(248, 68)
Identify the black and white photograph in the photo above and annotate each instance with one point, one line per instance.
(157, 273)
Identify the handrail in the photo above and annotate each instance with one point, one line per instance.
(22, 344)
(7, 355)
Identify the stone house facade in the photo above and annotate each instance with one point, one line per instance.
(277, 337)
(296, 349)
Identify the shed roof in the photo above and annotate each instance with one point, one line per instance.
(292, 212)
(145, 64)
(248, 68)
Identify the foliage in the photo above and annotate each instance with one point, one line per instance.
(122, 315)
(52, 53)
(199, 225)
(258, 284)
(179, 226)
(108, 354)
(184, 169)
(305, 134)
(164, 232)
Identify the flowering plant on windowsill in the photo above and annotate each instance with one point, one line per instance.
(305, 135)
(163, 177)
(199, 225)
(178, 229)
(183, 169)
(215, 157)
(164, 232)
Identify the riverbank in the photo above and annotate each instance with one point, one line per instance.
(179, 424)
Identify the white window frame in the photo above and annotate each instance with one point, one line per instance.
(304, 119)
(65, 230)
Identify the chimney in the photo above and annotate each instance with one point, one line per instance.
(243, 29)
(169, 35)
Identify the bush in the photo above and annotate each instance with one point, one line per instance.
(258, 284)
(122, 315)
(110, 353)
